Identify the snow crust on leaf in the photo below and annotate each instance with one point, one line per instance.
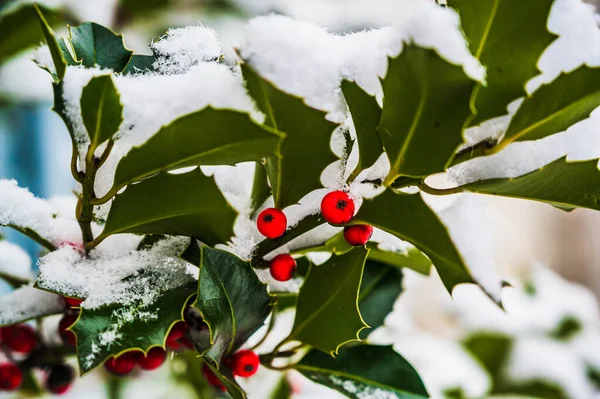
(578, 43)
(182, 48)
(27, 302)
(21, 208)
(14, 261)
(304, 59)
(110, 276)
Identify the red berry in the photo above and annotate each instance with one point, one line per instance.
(153, 359)
(271, 223)
(212, 379)
(245, 363)
(67, 336)
(73, 302)
(19, 338)
(358, 235)
(178, 330)
(122, 364)
(282, 267)
(60, 378)
(337, 207)
(11, 377)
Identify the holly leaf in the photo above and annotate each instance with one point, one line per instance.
(20, 28)
(60, 64)
(560, 183)
(188, 204)
(232, 301)
(139, 63)
(555, 106)
(365, 371)
(508, 38)
(96, 45)
(206, 137)
(308, 136)
(381, 286)
(260, 187)
(327, 314)
(366, 114)
(112, 329)
(425, 108)
(225, 375)
(408, 217)
(101, 109)
(27, 303)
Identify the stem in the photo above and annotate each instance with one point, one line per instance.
(34, 236)
(485, 147)
(74, 159)
(13, 281)
(440, 191)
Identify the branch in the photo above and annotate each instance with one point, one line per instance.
(440, 191)
(34, 236)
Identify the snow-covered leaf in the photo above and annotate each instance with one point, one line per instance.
(232, 301)
(28, 303)
(305, 152)
(365, 371)
(96, 45)
(101, 109)
(508, 37)
(425, 108)
(555, 106)
(60, 64)
(112, 329)
(327, 313)
(206, 137)
(408, 217)
(20, 29)
(15, 264)
(560, 183)
(366, 114)
(188, 204)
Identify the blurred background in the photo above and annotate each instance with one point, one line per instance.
(547, 343)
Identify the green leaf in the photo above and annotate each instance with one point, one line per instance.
(20, 29)
(139, 63)
(188, 204)
(308, 136)
(490, 349)
(96, 45)
(327, 314)
(560, 183)
(425, 108)
(283, 390)
(366, 114)
(508, 37)
(66, 53)
(555, 106)
(112, 329)
(365, 371)
(225, 375)
(408, 217)
(206, 137)
(101, 109)
(232, 300)
(60, 64)
(381, 285)
(305, 225)
(412, 259)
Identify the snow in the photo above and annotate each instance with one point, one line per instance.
(304, 59)
(14, 261)
(37, 87)
(21, 208)
(101, 277)
(27, 303)
(181, 49)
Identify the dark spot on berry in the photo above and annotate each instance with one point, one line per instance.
(341, 205)
(248, 368)
(268, 218)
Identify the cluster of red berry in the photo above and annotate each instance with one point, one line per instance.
(337, 208)
(24, 350)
